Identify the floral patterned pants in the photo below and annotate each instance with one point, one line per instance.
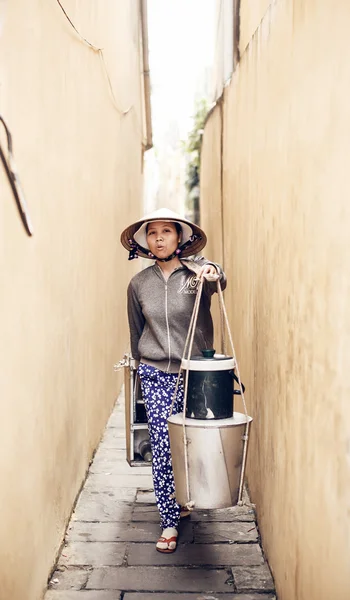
(157, 391)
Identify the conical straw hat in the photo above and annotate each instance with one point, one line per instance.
(137, 233)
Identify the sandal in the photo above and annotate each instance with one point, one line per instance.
(167, 541)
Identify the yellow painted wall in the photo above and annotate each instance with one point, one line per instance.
(62, 301)
(286, 219)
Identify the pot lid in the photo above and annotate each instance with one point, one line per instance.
(209, 361)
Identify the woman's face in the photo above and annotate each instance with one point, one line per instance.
(162, 238)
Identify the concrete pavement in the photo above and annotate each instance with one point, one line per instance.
(109, 551)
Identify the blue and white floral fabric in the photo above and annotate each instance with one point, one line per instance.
(157, 391)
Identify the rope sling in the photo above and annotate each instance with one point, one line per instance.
(188, 350)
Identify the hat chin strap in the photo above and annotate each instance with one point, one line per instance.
(135, 248)
(173, 255)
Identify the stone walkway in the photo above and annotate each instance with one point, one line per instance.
(110, 554)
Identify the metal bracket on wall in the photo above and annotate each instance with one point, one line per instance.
(10, 170)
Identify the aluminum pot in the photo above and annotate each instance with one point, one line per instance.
(214, 459)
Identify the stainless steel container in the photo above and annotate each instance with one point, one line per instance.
(214, 459)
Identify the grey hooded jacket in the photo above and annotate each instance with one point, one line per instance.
(159, 313)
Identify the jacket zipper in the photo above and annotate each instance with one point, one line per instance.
(166, 316)
(167, 324)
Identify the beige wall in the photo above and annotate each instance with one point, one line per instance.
(286, 252)
(62, 301)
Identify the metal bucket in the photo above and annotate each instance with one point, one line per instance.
(214, 459)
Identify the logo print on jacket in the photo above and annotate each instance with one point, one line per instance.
(189, 286)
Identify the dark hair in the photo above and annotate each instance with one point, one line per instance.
(177, 227)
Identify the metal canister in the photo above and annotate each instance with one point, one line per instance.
(210, 386)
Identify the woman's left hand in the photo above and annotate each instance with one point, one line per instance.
(209, 272)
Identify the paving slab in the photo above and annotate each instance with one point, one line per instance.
(156, 579)
(81, 554)
(145, 497)
(255, 578)
(111, 440)
(103, 481)
(225, 515)
(196, 555)
(83, 595)
(112, 465)
(102, 507)
(122, 532)
(118, 494)
(127, 494)
(195, 596)
(120, 405)
(144, 512)
(237, 531)
(116, 420)
(117, 454)
(69, 579)
(117, 427)
(118, 412)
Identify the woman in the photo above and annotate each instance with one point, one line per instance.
(160, 305)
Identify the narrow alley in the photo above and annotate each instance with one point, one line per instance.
(209, 139)
(109, 551)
